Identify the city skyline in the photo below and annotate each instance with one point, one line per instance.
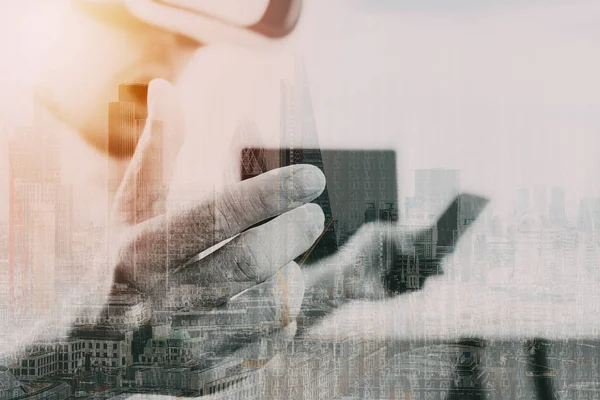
(135, 345)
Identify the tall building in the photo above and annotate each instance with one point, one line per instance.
(435, 187)
(40, 218)
(556, 210)
(136, 93)
(252, 160)
(355, 179)
(4, 292)
(150, 185)
(522, 202)
(589, 214)
(448, 224)
(540, 200)
(42, 256)
(299, 144)
(122, 139)
(433, 190)
(126, 122)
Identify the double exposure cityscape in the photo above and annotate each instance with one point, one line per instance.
(134, 344)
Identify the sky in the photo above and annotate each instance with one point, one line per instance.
(506, 91)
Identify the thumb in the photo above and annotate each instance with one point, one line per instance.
(144, 188)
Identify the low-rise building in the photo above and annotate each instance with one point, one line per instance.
(174, 350)
(107, 350)
(10, 387)
(37, 361)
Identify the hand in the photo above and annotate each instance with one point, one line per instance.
(152, 246)
(381, 254)
(529, 299)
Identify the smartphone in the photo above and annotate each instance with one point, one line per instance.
(361, 187)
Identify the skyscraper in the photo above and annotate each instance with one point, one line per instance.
(252, 160)
(435, 187)
(557, 206)
(41, 229)
(540, 200)
(522, 202)
(122, 139)
(589, 214)
(299, 144)
(126, 122)
(40, 219)
(150, 185)
(136, 93)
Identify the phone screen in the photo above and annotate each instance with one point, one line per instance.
(361, 187)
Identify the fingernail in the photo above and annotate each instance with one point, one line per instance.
(306, 182)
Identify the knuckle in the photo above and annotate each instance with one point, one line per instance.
(196, 225)
(227, 214)
(263, 203)
(254, 256)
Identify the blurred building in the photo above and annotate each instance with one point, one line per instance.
(107, 350)
(540, 200)
(4, 290)
(434, 188)
(556, 211)
(125, 308)
(177, 349)
(10, 387)
(40, 220)
(589, 215)
(37, 361)
(522, 202)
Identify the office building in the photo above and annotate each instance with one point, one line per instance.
(434, 188)
(40, 220)
(556, 210)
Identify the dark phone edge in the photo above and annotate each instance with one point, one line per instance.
(280, 18)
